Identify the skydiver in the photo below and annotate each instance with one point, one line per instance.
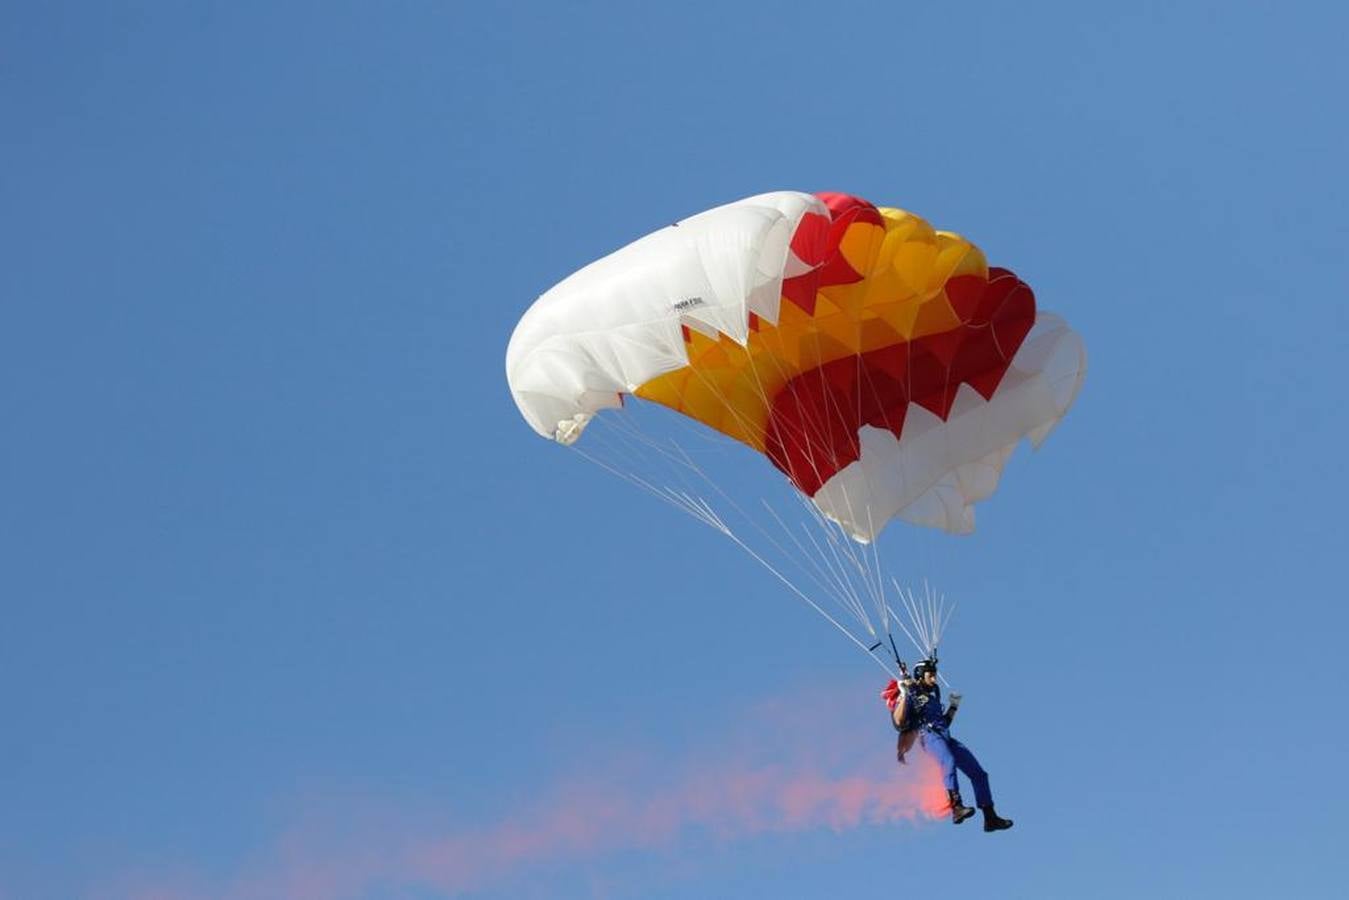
(917, 715)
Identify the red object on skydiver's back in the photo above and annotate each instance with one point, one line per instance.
(891, 694)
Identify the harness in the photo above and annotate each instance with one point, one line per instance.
(925, 721)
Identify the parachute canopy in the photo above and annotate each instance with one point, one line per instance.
(883, 366)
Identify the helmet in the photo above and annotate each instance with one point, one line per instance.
(925, 666)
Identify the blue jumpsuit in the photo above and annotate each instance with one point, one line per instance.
(924, 708)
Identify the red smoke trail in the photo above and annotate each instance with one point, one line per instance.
(730, 803)
(819, 770)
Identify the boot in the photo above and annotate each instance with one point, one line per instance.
(993, 821)
(959, 812)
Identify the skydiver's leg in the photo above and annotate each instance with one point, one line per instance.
(941, 752)
(935, 744)
(983, 797)
(965, 761)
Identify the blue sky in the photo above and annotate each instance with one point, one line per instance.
(285, 576)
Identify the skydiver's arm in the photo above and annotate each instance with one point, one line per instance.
(903, 704)
(951, 710)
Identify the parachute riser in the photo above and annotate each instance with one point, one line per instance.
(903, 670)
